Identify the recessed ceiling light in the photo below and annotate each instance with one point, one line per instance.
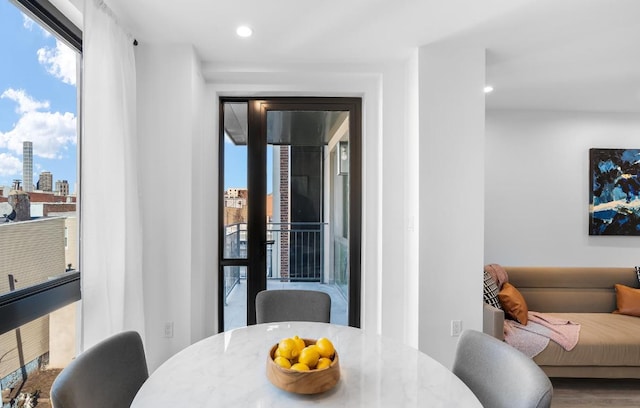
(488, 89)
(244, 31)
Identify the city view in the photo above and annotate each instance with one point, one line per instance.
(38, 166)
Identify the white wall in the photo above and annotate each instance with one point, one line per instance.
(411, 168)
(392, 191)
(204, 238)
(537, 188)
(451, 193)
(177, 161)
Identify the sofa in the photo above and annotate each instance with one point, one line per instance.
(609, 343)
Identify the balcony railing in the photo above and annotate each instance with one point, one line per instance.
(294, 252)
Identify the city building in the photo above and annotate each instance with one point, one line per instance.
(27, 166)
(235, 206)
(50, 197)
(235, 197)
(235, 193)
(62, 188)
(45, 181)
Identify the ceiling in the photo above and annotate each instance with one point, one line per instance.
(294, 128)
(541, 54)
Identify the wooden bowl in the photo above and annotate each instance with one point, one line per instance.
(303, 382)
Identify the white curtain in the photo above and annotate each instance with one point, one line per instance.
(110, 224)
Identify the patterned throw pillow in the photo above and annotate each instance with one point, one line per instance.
(491, 291)
(638, 272)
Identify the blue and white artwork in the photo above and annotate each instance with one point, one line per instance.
(615, 192)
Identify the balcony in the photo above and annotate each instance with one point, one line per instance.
(297, 256)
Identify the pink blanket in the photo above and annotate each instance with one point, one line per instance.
(498, 274)
(534, 337)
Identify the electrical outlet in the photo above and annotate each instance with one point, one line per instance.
(456, 327)
(168, 330)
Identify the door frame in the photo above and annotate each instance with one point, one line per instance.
(256, 222)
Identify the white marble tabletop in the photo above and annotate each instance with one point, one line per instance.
(229, 370)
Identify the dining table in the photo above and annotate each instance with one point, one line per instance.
(229, 370)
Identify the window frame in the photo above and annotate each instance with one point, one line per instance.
(24, 305)
(52, 18)
(27, 304)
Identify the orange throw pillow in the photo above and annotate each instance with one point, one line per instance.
(627, 300)
(513, 303)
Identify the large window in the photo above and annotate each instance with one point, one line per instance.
(39, 273)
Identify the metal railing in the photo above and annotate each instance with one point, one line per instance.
(235, 241)
(295, 251)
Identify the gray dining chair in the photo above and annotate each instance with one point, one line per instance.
(283, 305)
(106, 375)
(499, 375)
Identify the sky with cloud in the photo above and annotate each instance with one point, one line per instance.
(38, 100)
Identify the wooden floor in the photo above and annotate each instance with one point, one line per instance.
(574, 393)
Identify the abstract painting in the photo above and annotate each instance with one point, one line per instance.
(614, 207)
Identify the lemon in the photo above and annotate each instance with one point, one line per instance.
(309, 356)
(299, 342)
(288, 348)
(325, 347)
(323, 363)
(300, 367)
(282, 362)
